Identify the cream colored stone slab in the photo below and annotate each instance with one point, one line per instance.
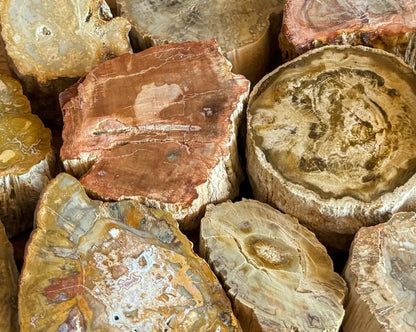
(279, 277)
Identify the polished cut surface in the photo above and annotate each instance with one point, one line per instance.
(26, 157)
(159, 126)
(48, 39)
(94, 266)
(385, 24)
(279, 277)
(339, 122)
(381, 278)
(241, 28)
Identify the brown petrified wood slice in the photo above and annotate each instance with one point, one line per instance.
(26, 157)
(381, 277)
(159, 126)
(94, 266)
(332, 140)
(4, 67)
(242, 28)
(51, 43)
(385, 24)
(279, 276)
(8, 285)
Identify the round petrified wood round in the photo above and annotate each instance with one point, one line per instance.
(241, 28)
(385, 24)
(332, 140)
(381, 277)
(26, 157)
(280, 278)
(94, 266)
(160, 127)
(8, 285)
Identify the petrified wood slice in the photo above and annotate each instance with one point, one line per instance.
(241, 28)
(385, 24)
(26, 158)
(158, 126)
(4, 67)
(332, 140)
(280, 278)
(8, 285)
(94, 266)
(51, 43)
(380, 273)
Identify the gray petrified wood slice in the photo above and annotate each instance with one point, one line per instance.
(26, 158)
(278, 275)
(52, 43)
(245, 30)
(94, 266)
(385, 24)
(331, 140)
(8, 285)
(381, 277)
(160, 127)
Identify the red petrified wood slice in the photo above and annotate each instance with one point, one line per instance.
(26, 158)
(53, 42)
(159, 127)
(280, 278)
(331, 140)
(385, 24)
(381, 277)
(245, 29)
(8, 285)
(94, 266)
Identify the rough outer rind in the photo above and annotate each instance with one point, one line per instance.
(8, 285)
(333, 220)
(279, 276)
(98, 266)
(381, 279)
(243, 30)
(26, 158)
(52, 43)
(197, 114)
(384, 24)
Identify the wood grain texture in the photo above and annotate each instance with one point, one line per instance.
(331, 140)
(159, 126)
(52, 43)
(241, 28)
(8, 285)
(279, 277)
(94, 266)
(26, 157)
(389, 25)
(381, 278)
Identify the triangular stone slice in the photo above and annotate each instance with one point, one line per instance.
(94, 266)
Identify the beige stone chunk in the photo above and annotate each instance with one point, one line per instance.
(279, 277)
(381, 277)
(331, 140)
(26, 157)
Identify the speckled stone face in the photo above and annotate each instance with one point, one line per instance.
(339, 123)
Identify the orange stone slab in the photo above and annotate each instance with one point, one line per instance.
(94, 266)
(385, 24)
(159, 126)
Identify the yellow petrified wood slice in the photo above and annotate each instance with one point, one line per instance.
(242, 28)
(8, 285)
(94, 266)
(26, 157)
(385, 24)
(53, 42)
(332, 140)
(160, 127)
(280, 278)
(381, 277)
